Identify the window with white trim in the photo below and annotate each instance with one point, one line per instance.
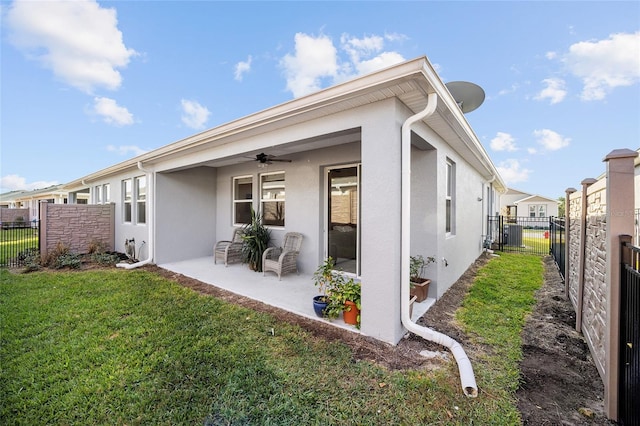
(141, 199)
(101, 194)
(127, 199)
(450, 198)
(272, 198)
(97, 194)
(242, 199)
(537, 210)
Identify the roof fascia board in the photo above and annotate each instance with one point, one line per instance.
(295, 107)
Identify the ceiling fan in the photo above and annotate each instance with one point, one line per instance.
(263, 158)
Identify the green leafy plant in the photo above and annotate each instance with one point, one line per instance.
(31, 259)
(417, 265)
(325, 279)
(342, 291)
(256, 238)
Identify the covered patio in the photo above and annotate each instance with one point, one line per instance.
(294, 293)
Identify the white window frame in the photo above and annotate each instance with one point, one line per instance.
(97, 194)
(450, 198)
(237, 199)
(127, 200)
(106, 193)
(279, 198)
(538, 210)
(141, 199)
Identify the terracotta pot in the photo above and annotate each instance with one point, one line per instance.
(420, 289)
(350, 316)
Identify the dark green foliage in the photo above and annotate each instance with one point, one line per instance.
(256, 238)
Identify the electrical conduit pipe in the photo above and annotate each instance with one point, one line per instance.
(150, 197)
(467, 377)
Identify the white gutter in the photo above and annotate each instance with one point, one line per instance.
(151, 222)
(467, 377)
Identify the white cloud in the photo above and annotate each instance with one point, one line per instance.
(78, 40)
(383, 60)
(551, 140)
(503, 142)
(551, 55)
(514, 87)
(555, 90)
(314, 58)
(242, 68)
(512, 172)
(360, 48)
(125, 150)
(605, 64)
(111, 112)
(317, 60)
(532, 150)
(16, 183)
(194, 115)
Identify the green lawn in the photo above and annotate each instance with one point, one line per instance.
(129, 347)
(14, 241)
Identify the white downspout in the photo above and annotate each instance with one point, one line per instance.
(151, 222)
(467, 377)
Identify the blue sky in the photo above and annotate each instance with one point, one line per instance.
(85, 84)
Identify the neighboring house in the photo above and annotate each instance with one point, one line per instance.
(31, 199)
(8, 199)
(342, 189)
(516, 203)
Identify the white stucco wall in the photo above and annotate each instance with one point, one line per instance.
(193, 204)
(126, 231)
(185, 214)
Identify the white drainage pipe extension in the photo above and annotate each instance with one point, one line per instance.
(467, 377)
(151, 224)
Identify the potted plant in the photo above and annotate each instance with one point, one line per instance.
(345, 297)
(419, 284)
(324, 279)
(255, 240)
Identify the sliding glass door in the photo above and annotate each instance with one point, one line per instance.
(343, 201)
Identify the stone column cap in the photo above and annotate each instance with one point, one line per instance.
(570, 190)
(621, 153)
(588, 181)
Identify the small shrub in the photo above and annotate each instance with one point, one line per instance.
(97, 246)
(68, 260)
(31, 259)
(61, 257)
(105, 259)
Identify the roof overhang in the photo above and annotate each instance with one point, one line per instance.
(410, 82)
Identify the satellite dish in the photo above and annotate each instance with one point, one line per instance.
(467, 95)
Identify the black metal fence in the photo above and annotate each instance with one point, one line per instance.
(629, 390)
(557, 239)
(529, 235)
(18, 242)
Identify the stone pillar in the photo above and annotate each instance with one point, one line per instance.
(583, 241)
(567, 239)
(620, 221)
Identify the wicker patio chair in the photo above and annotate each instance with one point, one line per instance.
(229, 251)
(282, 260)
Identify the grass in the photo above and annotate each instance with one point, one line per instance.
(129, 347)
(14, 241)
(494, 313)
